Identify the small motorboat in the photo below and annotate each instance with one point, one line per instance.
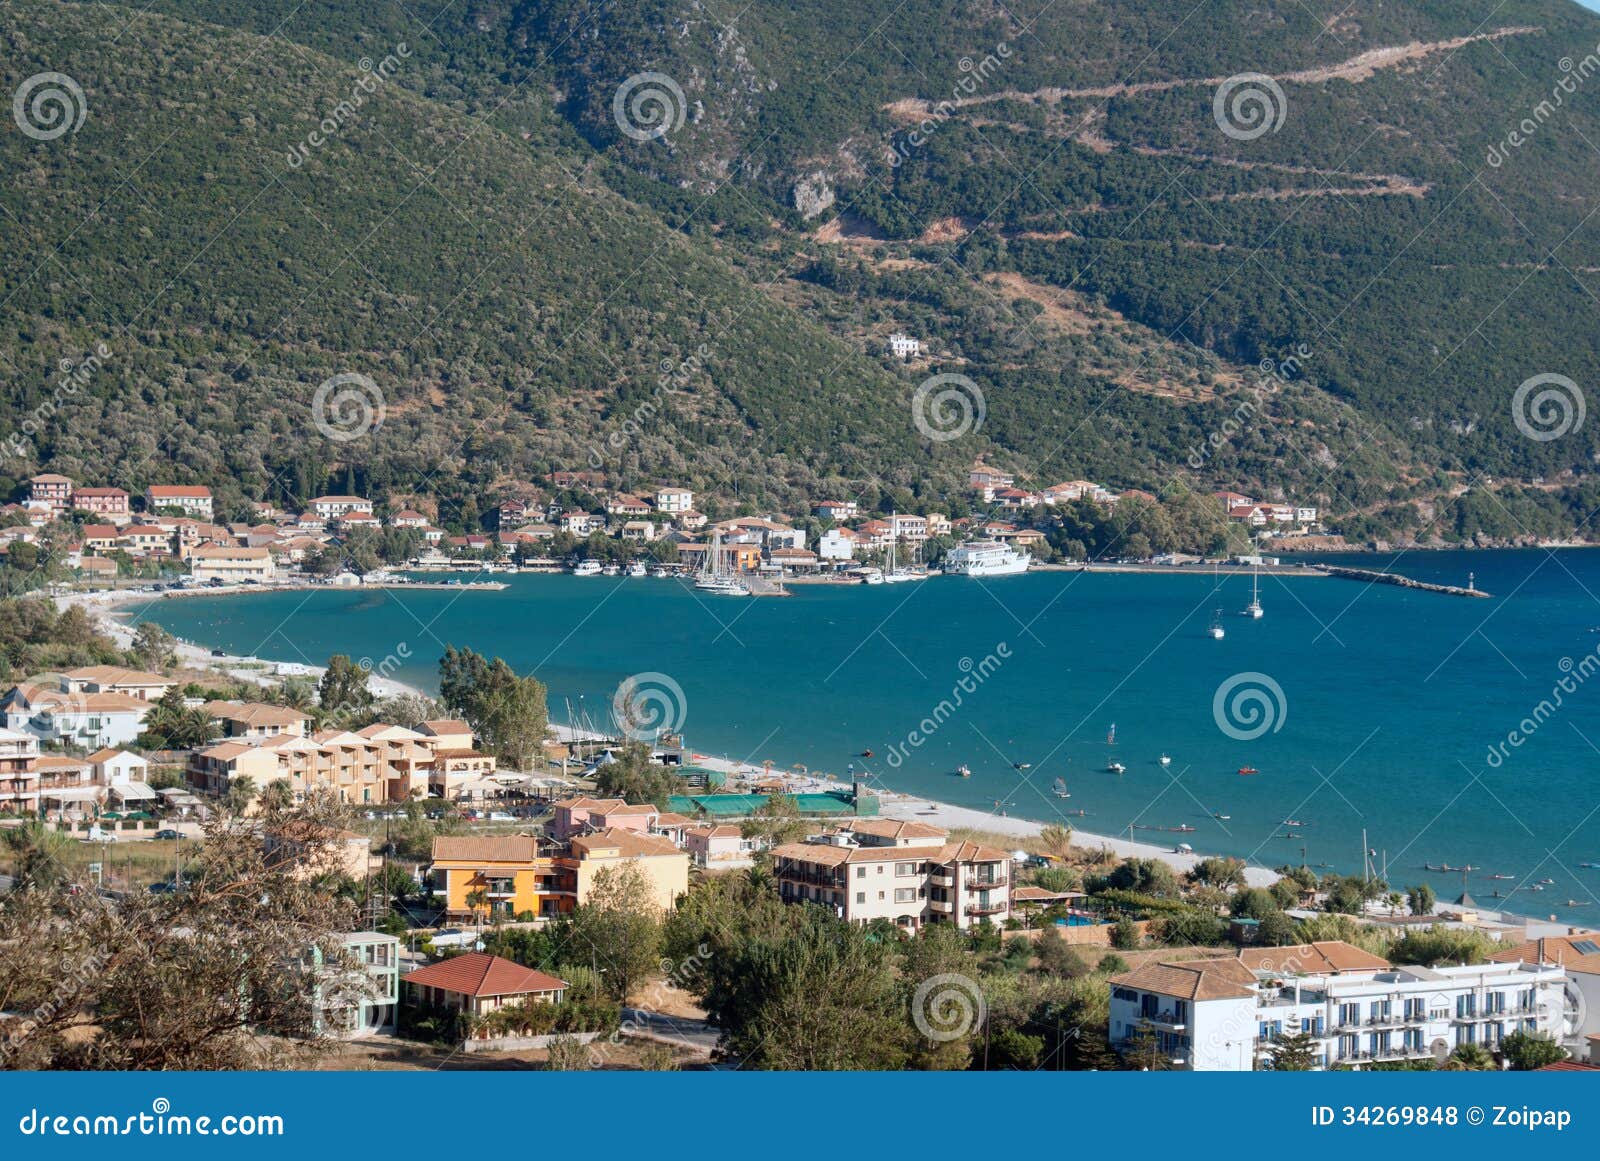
(611, 570)
(638, 568)
(1248, 770)
(1061, 788)
(1116, 768)
(1502, 876)
(1547, 882)
(1577, 903)
(1221, 817)
(865, 754)
(1291, 821)
(1589, 866)
(1166, 761)
(1022, 765)
(964, 771)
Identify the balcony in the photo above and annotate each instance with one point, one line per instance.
(985, 884)
(1167, 1021)
(991, 908)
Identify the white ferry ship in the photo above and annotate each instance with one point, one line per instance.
(986, 558)
(586, 568)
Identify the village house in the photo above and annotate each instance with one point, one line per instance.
(903, 346)
(909, 873)
(478, 984)
(625, 505)
(113, 503)
(838, 544)
(19, 781)
(138, 683)
(96, 567)
(333, 507)
(100, 537)
(74, 717)
(406, 518)
(837, 509)
(582, 523)
(192, 500)
(984, 480)
(231, 565)
(690, 521)
(247, 719)
(674, 500)
(641, 530)
(720, 847)
(50, 491)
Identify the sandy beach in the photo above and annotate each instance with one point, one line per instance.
(110, 610)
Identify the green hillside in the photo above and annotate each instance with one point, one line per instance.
(1079, 237)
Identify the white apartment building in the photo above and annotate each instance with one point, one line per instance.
(838, 544)
(909, 873)
(333, 507)
(674, 500)
(192, 500)
(1222, 1014)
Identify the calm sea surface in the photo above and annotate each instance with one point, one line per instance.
(1391, 702)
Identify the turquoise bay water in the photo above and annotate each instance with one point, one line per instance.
(1391, 700)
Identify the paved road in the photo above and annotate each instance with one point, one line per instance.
(679, 1030)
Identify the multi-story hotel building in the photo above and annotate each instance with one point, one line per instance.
(1222, 1014)
(909, 873)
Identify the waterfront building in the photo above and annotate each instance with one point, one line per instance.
(674, 500)
(909, 873)
(1222, 1013)
(109, 502)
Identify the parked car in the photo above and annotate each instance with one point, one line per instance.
(501, 816)
(163, 889)
(168, 833)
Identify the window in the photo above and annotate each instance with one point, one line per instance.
(861, 896)
(903, 869)
(1349, 1013)
(880, 896)
(861, 872)
(1127, 994)
(905, 894)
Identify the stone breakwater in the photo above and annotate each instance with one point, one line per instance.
(1388, 578)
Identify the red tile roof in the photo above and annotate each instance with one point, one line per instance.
(479, 974)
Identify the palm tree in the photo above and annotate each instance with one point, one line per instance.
(279, 795)
(1470, 1058)
(35, 852)
(241, 793)
(477, 899)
